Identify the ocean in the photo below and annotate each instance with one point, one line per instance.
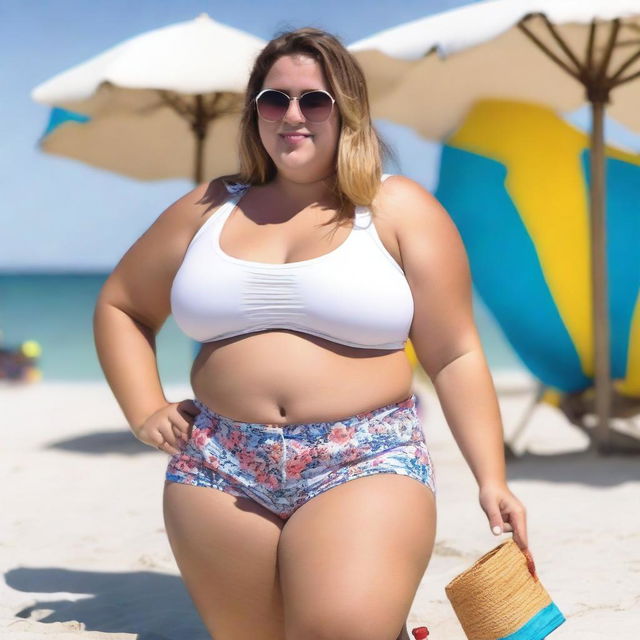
(56, 311)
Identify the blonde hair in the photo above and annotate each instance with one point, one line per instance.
(360, 147)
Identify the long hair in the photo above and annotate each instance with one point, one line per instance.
(360, 148)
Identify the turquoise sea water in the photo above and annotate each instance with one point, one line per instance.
(56, 310)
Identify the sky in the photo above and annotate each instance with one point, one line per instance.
(59, 215)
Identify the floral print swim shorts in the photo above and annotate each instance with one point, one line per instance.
(283, 466)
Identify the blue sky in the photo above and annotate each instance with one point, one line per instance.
(60, 215)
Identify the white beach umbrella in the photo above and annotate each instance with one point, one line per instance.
(163, 104)
(558, 52)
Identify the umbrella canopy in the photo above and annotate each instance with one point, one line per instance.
(532, 166)
(449, 61)
(160, 105)
(559, 52)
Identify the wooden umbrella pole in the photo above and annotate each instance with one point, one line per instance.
(206, 109)
(199, 126)
(600, 307)
(199, 113)
(598, 89)
(196, 115)
(593, 75)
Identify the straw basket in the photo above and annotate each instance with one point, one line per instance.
(501, 596)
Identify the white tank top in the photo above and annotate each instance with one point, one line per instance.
(355, 295)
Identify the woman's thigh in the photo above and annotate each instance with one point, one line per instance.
(351, 559)
(226, 549)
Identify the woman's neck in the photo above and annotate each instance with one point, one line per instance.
(302, 194)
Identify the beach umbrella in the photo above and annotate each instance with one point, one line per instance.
(164, 104)
(514, 155)
(558, 52)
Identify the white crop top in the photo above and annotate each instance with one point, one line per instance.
(356, 294)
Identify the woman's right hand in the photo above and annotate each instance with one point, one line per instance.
(168, 428)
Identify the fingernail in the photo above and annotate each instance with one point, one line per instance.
(497, 530)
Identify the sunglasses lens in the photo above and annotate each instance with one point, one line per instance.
(272, 105)
(316, 106)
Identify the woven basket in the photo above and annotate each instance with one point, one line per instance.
(500, 594)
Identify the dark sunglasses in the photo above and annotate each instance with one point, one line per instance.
(316, 106)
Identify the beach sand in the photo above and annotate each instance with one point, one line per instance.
(84, 554)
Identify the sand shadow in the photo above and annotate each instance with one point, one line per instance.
(121, 442)
(587, 467)
(156, 606)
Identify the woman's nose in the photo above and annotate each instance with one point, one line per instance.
(293, 113)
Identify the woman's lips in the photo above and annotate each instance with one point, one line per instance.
(291, 137)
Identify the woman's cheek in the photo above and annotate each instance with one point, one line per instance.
(268, 139)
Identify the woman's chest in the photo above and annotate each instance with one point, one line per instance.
(306, 237)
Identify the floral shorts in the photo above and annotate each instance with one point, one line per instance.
(283, 466)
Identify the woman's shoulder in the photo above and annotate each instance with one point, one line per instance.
(411, 208)
(218, 190)
(233, 184)
(398, 184)
(399, 191)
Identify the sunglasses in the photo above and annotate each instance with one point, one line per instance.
(316, 106)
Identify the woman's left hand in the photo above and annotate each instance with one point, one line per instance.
(506, 512)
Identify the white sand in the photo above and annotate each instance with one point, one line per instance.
(84, 554)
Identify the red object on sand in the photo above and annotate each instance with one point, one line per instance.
(420, 633)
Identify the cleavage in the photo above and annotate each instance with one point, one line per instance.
(300, 233)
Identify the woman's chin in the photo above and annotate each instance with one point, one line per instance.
(295, 161)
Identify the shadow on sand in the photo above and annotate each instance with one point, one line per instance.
(97, 443)
(581, 467)
(156, 606)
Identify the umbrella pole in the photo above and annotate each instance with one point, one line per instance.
(197, 174)
(199, 127)
(198, 118)
(593, 76)
(600, 304)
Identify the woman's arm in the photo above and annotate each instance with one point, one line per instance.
(126, 350)
(444, 335)
(134, 303)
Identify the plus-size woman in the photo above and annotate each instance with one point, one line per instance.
(299, 498)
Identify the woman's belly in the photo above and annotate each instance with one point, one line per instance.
(282, 377)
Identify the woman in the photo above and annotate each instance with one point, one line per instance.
(323, 517)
